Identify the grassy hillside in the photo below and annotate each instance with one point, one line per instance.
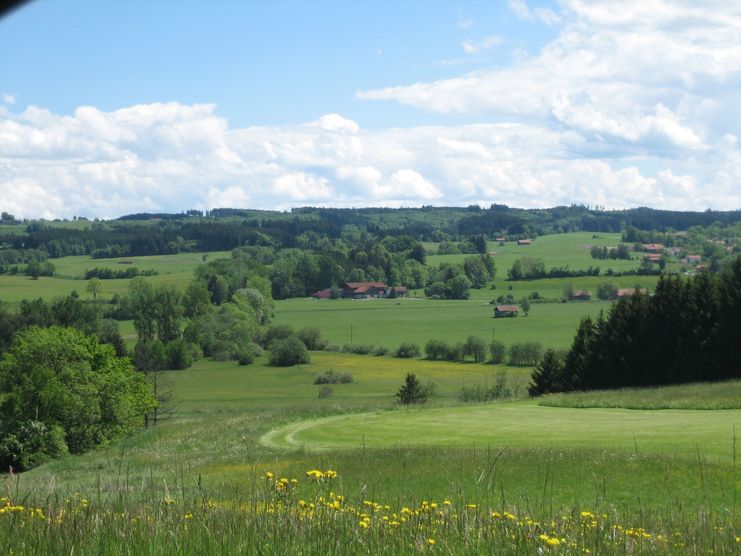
(718, 395)
(200, 475)
(172, 269)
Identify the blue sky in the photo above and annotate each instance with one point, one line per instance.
(260, 62)
(115, 107)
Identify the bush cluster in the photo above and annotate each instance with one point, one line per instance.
(333, 377)
(407, 351)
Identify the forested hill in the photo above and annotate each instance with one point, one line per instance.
(223, 229)
(471, 220)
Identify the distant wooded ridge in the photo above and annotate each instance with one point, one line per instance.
(474, 219)
(225, 229)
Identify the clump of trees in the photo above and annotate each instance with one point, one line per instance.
(453, 281)
(65, 391)
(533, 268)
(620, 252)
(407, 351)
(688, 331)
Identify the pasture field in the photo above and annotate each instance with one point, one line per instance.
(570, 250)
(390, 322)
(208, 477)
(173, 269)
(551, 289)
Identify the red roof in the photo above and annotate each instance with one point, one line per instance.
(507, 308)
(631, 291)
(363, 286)
(322, 294)
(653, 246)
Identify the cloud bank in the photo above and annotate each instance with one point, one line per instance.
(633, 103)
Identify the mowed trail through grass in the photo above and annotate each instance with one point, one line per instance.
(524, 424)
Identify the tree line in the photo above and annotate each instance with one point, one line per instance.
(688, 331)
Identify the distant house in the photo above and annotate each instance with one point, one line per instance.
(653, 247)
(326, 293)
(580, 295)
(363, 290)
(675, 251)
(627, 292)
(692, 259)
(653, 257)
(523, 242)
(500, 239)
(396, 291)
(506, 311)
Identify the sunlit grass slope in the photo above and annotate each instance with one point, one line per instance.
(523, 425)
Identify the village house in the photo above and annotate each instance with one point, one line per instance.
(653, 247)
(692, 259)
(363, 290)
(506, 311)
(523, 242)
(326, 293)
(580, 295)
(627, 292)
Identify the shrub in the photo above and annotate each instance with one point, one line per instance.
(525, 353)
(484, 393)
(436, 350)
(407, 351)
(381, 351)
(289, 351)
(325, 392)
(497, 351)
(332, 377)
(358, 349)
(456, 352)
(311, 336)
(31, 444)
(475, 347)
(607, 290)
(248, 354)
(332, 347)
(178, 355)
(273, 333)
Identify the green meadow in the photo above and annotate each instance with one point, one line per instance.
(390, 322)
(172, 269)
(570, 250)
(635, 471)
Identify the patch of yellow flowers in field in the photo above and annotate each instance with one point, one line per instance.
(313, 503)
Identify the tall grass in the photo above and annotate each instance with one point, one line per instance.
(315, 513)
